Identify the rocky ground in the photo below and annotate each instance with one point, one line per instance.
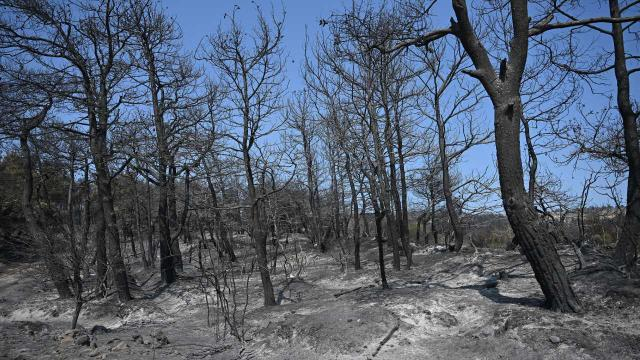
(479, 304)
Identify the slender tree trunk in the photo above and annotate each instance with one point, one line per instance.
(403, 178)
(365, 220)
(392, 178)
(446, 179)
(356, 215)
(138, 219)
(399, 224)
(54, 266)
(101, 251)
(379, 216)
(312, 186)
(172, 203)
(383, 179)
(222, 231)
(257, 220)
(335, 200)
(151, 248)
(434, 228)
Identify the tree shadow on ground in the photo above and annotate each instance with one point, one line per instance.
(491, 292)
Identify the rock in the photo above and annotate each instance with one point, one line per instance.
(554, 339)
(491, 282)
(66, 339)
(94, 343)
(55, 313)
(99, 329)
(94, 353)
(487, 331)
(159, 337)
(120, 346)
(138, 338)
(82, 340)
(445, 319)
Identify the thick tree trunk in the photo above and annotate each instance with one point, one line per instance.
(626, 252)
(534, 237)
(114, 253)
(167, 265)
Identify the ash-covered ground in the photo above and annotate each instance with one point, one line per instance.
(479, 304)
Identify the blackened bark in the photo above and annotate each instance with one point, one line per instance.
(220, 225)
(101, 251)
(533, 236)
(626, 252)
(504, 91)
(446, 179)
(356, 215)
(54, 266)
(172, 202)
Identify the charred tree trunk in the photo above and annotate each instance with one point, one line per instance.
(53, 264)
(533, 236)
(503, 88)
(363, 214)
(626, 252)
(222, 231)
(172, 202)
(446, 179)
(101, 251)
(399, 224)
(356, 215)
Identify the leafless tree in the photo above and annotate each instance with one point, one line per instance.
(250, 68)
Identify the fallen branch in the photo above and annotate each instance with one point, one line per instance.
(387, 338)
(347, 291)
(350, 291)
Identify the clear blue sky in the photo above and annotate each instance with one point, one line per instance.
(198, 18)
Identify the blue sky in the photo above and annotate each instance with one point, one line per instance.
(199, 18)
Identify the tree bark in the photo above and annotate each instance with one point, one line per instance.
(446, 179)
(504, 90)
(626, 252)
(222, 231)
(174, 242)
(101, 251)
(356, 215)
(54, 266)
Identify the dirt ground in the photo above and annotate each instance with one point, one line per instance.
(479, 304)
